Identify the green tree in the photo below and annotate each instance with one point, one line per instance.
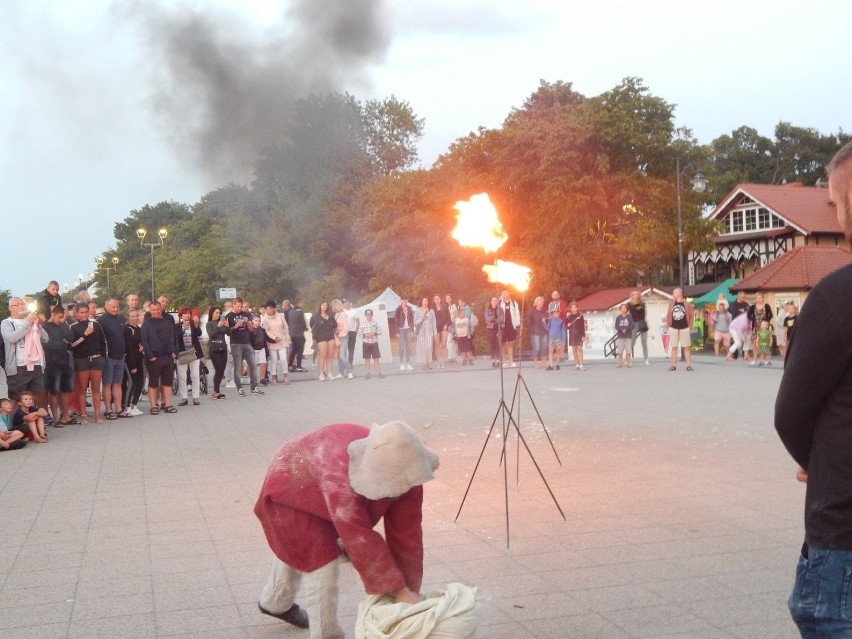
(391, 133)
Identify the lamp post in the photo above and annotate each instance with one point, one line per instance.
(699, 184)
(161, 235)
(100, 262)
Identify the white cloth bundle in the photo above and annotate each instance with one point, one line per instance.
(441, 615)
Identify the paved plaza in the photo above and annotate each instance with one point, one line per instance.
(682, 515)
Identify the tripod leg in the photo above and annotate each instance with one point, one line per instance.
(540, 420)
(537, 467)
(501, 407)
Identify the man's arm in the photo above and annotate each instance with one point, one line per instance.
(816, 361)
(12, 334)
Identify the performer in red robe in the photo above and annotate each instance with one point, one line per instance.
(323, 495)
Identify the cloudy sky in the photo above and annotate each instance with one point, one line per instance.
(107, 106)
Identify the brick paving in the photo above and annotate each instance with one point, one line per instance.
(682, 517)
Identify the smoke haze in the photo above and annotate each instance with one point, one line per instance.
(224, 91)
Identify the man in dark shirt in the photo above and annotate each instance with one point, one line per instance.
(298, 327)
(813, 417)
(58, 373)
(113, 373)
(160, 346)
(240, 322)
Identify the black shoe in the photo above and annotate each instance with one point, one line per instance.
(294, 616)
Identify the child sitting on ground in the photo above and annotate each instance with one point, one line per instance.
(9, 439)
(29, 418)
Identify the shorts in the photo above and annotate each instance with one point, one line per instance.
(725, 338)
(59, 378)
(371, 350)
(575, 341)
(161, 371)
(623, 345)
(680, 337)
(764, 351)
(260, 356)
(93, 363)
(32, 381)
(464, 344)
(555, 344)
(113, 371)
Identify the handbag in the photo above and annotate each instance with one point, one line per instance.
(642, 325)
(187, 356)
(218, 346)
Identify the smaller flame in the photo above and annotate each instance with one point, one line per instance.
(509, 273)
(477, 224)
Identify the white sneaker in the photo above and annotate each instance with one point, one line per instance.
(402, 367)
(582, 368)
(753, 362)
(338, 376)
(350, 376)
(409, 367)
(321, 377)
(230, 384)
(647, 363)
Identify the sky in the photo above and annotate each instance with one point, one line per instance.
(104, 108)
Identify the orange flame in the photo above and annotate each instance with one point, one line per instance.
(509, 273)
(477, 224)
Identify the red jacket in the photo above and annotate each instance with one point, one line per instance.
(306, 504)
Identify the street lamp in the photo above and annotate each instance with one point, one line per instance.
(85, 279)
(100, 262)
(161, 235)
(699, 184)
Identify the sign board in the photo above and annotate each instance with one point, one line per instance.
(226, 294)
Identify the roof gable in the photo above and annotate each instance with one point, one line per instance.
(799, 269)
(804, 207)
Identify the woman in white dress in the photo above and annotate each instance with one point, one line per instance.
(424, 326)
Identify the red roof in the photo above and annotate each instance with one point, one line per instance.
(606, 299)
(804, 207)
(797, 270)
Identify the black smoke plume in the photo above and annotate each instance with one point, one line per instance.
(223, 91)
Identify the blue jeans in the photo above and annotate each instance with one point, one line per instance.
(539, 345)
(243, 353)
(343, 365)
(404, 345)
(821, 601)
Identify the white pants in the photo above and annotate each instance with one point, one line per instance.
(320, 596)
(194, 371)
(277, 358)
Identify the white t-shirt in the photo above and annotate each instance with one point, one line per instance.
(354, 320)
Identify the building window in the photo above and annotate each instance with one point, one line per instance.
(736, 222)
(752, 219)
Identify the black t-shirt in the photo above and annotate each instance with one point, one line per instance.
(239, 323)
(737, 308)
(58, 341)
(679, 316)
(637, 312)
